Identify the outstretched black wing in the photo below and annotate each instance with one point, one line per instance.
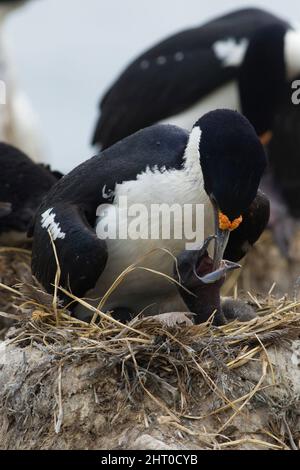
(174, 75)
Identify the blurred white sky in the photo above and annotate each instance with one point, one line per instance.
(67, 52)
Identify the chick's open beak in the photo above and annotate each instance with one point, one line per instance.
(220, 273)
(216, 274)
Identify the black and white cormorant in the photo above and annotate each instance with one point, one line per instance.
(218, 164)
(18, 121)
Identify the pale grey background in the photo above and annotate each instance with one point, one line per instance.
(68, 51)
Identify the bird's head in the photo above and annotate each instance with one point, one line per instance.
(232, 161)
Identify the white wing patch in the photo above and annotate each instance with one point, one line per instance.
(107, 194)
(48, 222)
(231, 51)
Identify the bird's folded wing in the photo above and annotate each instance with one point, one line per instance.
(81, 256)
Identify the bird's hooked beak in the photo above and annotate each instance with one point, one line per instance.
(223, 227)
(223, 268)
(220, 273)
(222, 237)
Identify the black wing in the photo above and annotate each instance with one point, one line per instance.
(72, 204)
(81, 255)
(146, 92)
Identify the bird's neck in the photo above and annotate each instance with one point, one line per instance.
(206, 303)
(210, 304)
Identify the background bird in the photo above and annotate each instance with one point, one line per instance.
(218, 164)
(245, 60)
(282, 181)
(18, 121)
(23, 184)
(239, 60)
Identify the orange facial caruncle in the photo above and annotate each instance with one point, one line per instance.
(225, 224)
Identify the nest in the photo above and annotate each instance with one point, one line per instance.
(148, 384)
(14, 267)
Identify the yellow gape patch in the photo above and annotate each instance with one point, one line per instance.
(225, 224)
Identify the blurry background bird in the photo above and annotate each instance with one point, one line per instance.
(240, 60)
(23, 184)
(283, 183)
(18, 122)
